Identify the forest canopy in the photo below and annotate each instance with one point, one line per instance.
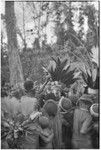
(65, 29)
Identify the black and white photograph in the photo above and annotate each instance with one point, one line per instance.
(50, 74)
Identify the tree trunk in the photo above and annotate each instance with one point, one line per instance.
(16, 75)
(24, 26)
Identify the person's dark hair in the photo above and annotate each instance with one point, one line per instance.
(44, 122)
(85, 98)
(86, 102)
(51, 107)
(17, 94)
(28, 85)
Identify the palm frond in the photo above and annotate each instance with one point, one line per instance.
(88, 79)
(81, 51)
(84, 76)
(62, 72)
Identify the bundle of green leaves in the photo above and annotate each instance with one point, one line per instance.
(12, 130)
(60, 71)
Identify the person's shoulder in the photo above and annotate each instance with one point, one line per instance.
(25, 97)
(32, 99)
(28, 98)
(6, 100)
(13, 99)
(77, 110)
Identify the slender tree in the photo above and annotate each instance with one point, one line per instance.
(81, 22)
(93, 33)
(16, 75)
(59, 29)
(24, 26)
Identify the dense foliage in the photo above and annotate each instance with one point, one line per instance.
(70, 43)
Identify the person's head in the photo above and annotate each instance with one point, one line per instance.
(65, 104)
(17, 94)
(50, 107)
(74, 99)
(84, 104)
(85, 101)
(28, 85)
(43, 122)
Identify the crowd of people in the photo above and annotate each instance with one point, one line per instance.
(49, 119)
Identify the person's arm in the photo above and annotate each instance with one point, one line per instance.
(64, 122)
(46, 138)
(96, 127)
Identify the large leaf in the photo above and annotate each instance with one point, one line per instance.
(84, 76)
(62, 72)
(79, 50)
(88, 79)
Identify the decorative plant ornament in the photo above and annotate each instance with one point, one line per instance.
(65, 103)
(94, 110)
